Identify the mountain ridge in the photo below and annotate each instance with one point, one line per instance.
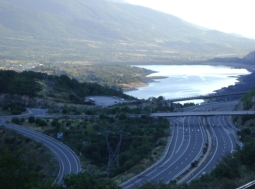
(138, 32)
(248, 59)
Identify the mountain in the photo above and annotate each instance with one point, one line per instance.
(250, 57)
(103, 31)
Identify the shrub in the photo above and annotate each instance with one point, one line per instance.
(15, 120)
(31, 119)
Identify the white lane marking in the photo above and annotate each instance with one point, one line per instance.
(37, 136)
(211, 157)
(175, 160)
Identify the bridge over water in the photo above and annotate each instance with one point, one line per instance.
(206, 96)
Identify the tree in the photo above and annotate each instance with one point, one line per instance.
(42, 123)
(15, 120)
(103, 116)
(15, 173)
(160, 98)
(85, 181)
(31, 119)
(54, 122)
(64, 111)
(122, 116)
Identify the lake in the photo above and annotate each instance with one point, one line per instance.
(187, 80)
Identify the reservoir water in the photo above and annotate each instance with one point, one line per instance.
(187, 80)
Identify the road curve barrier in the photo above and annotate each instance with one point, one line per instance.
(250, 184)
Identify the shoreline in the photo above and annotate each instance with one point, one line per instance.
(146, 80)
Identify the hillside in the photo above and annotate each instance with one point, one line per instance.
(247, 60)
(104, 31)
(54, 88)
(25, 163)
(250, 58)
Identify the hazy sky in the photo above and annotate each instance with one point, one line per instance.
(230, 16)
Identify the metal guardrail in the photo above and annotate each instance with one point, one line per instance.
(204, 113)
(206, 96)
(247, 185)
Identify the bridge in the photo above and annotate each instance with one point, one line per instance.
(209, 113)
(206, 96)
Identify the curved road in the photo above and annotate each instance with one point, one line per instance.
(223, 140)
(188, 141)
(186, 145)
(68, 160)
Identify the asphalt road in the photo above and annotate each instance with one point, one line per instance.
(68, 161)
(186, 146)
(224, 140)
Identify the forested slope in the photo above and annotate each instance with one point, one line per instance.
(36, 84)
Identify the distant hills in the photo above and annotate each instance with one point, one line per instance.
(105, 31)
(249, 59)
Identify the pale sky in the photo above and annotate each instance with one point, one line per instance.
(230, 16)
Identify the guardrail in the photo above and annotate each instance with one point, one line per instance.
(250, 184)
(206, 96)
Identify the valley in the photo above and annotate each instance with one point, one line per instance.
(89, 91)
(106, 33)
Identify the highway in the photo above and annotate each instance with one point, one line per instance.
(187, 143)
(184, 146)
(223, 142)
(188, 140)
(223, 138)
(68, 160)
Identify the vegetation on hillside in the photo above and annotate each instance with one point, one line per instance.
(59, 88)
(101, 31)
(25, 163)
(248, 100)
(247, 83)
(112, 75)
(19, 83)
(86, 181)
(13, 109)
(87, 138)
